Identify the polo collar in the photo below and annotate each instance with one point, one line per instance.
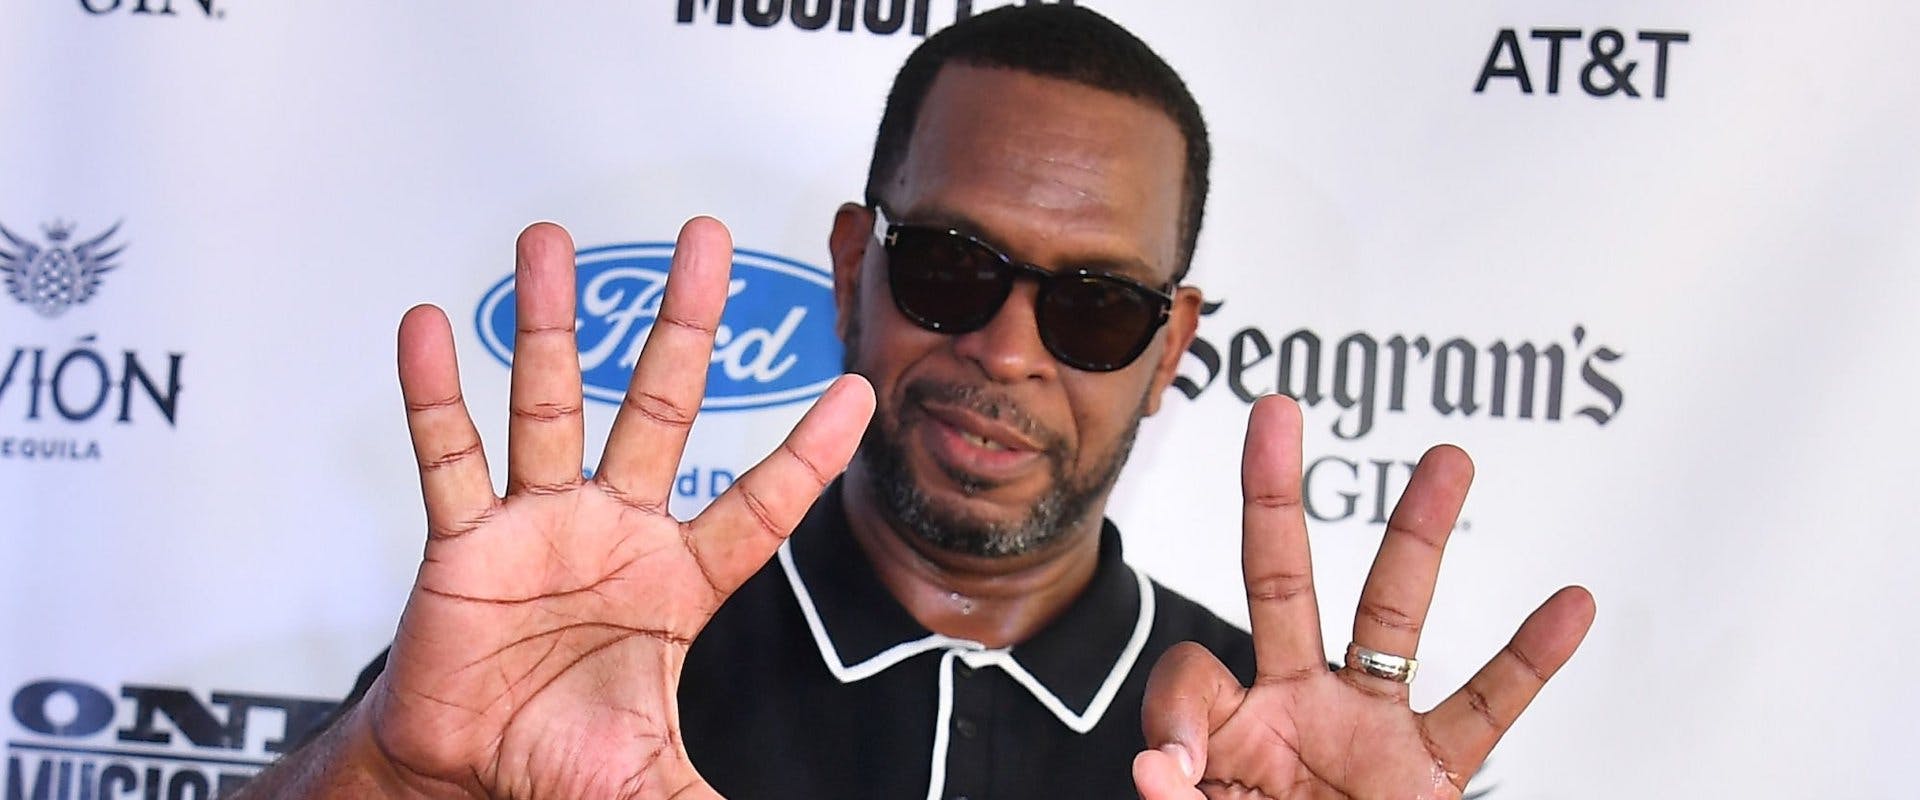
(1073, 667)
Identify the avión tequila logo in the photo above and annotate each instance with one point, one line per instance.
(775, 343)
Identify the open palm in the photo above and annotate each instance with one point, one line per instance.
(1302, 731)
(542, 644)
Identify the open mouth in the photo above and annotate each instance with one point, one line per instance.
(982, 441)
(974, 439)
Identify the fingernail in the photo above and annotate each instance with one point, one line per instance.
(1180, 755)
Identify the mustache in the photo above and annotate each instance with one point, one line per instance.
(980, 400)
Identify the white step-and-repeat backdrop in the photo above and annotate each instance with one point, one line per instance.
(1653, 264)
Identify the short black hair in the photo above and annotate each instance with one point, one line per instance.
(1054, 41)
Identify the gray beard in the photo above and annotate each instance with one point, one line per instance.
(891, 479)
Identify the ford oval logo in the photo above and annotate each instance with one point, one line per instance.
(775, 343)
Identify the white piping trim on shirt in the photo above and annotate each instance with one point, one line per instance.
(1084, 721)
(942, 724)
(977, 655)
(872, 666)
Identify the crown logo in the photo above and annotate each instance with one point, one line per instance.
(58, 230)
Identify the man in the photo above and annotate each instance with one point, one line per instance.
(953, 619)
(956, 611)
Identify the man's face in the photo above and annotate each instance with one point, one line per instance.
(983, 443)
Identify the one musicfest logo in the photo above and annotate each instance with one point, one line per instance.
(882, 17)
(775, 343)
(55, 277)
(78, 741)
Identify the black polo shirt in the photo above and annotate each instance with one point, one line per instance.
(813, 682)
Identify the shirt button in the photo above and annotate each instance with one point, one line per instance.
(965, 727)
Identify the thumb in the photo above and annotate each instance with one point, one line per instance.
(1163, 775)
(1188, 695)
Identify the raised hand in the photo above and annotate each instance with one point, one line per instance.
(543, 641)
(1303, 731)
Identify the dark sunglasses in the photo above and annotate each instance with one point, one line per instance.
(950, 282)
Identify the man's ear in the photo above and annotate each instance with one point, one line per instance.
(852, 232)
(1183, 320)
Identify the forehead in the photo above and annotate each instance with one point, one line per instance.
(1057, 171)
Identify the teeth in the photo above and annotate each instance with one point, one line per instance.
(982, 442)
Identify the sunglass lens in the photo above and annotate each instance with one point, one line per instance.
(944, 282)
(1095, 324)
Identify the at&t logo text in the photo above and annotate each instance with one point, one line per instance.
(1602, 70)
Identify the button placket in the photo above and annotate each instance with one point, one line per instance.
(969, 770)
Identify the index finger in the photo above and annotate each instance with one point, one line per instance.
(1273, 548)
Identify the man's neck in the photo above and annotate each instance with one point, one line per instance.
(997, 601)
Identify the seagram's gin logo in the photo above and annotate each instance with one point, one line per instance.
(775, 343)
(55, 275)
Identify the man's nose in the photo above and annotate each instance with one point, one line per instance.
(1008, 349)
